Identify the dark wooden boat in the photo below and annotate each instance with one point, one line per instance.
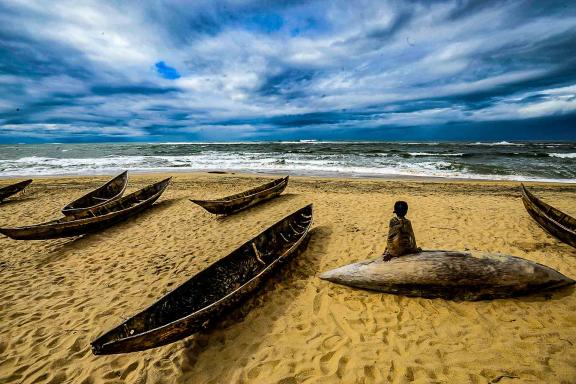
(234, 203)
(203, 298)
(112, 190)
(552, 220)
(13, 189)
(92, 219)
(450, 275)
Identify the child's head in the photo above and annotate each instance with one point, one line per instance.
(401, 208)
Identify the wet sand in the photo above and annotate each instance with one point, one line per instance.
(58, 295)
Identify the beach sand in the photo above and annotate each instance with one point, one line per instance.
(58, 295)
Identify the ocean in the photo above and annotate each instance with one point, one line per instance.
(519, 161)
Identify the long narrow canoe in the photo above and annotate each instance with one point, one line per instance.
(91, 220)
(112, 190)
(450, 275)
(234, 203)
(210, 293)
(552, 220)
(13, 189)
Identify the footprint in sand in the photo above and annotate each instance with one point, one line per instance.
(331, 342)
(266, 366)
(342, 363)
(324, 362)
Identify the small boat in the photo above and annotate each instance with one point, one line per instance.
(13, 189)
(234, 203)
(112, 190)
(552, 220)
(92, 219)
(210, 293)
(450, 275)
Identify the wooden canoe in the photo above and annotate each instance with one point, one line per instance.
(13, 189)
(112, 190)
(234, 203)
(450, 275)
(552, 220)
(93, 219)
(210, 293)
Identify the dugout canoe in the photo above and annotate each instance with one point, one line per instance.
(234, 203)
(92, 219)
(13, 189)
(210, 293)
(552, 220)
(450, 275)
(112, 190)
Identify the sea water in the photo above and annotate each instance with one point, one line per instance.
(537, 161)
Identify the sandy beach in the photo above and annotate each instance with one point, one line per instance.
(58, 295)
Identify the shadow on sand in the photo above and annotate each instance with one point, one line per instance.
(59, 248)
(556, 294)
(286, 283)
(11, 201)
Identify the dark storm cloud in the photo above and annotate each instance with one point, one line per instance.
(294, 69)
(107, 90)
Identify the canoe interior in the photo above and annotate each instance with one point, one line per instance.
(253, 191)
(224, 283)
(110, 191)
(13, 189)
(450, 275)
(552, 220)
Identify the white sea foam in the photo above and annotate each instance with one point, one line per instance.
(434, 154)
(304, 164)
(500, 143)
(563, 155)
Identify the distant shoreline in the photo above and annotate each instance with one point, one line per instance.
(244, 173)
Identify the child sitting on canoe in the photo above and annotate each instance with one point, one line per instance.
(401, 239)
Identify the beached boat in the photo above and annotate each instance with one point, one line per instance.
(108, 192)
(552, 220)
(92, 219)
(450, 275)
(13, 189)
(208, 294)
(234, 203)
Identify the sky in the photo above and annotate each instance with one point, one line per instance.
(171, 70)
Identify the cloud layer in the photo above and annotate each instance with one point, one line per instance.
(241, 70)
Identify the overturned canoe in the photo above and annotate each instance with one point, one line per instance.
(552, 220)
(450, 275)
(13, 189)
(243, 200)
(93, 219)
(108, 192)
(204, 297)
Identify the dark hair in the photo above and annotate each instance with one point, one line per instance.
(401, 208)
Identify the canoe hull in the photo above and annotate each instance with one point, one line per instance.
(209, 294)
(241, 201)
(450, 275)
(107, 193)
(552, 220)
(84, 222)
(189, 326)
(13, 189)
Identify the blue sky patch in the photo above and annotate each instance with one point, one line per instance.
(166, 71)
